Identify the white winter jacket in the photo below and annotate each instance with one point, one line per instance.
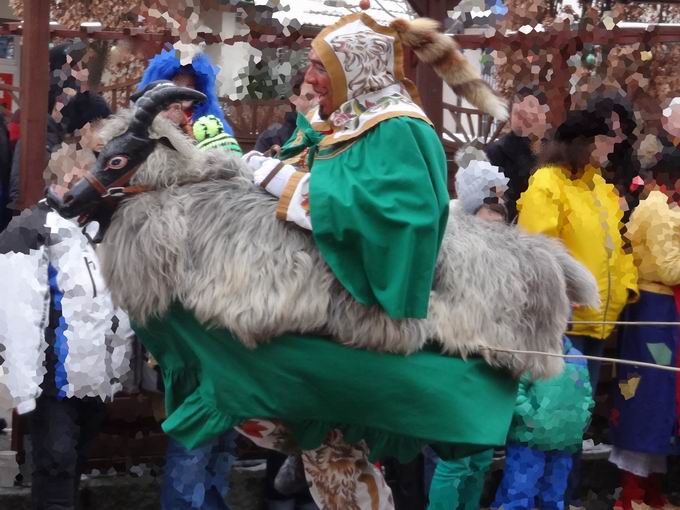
(49, 271)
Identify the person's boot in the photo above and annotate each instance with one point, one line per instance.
(633, 491)
(291, 477)
(654, 492)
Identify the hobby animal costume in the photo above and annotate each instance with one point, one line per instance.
(260, 324)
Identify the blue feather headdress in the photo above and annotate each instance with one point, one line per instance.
(166, 65)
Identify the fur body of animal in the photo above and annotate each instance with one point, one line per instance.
(208, 237)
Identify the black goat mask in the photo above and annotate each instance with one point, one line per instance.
(96, 196)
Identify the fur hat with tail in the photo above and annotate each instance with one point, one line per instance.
(443, 54)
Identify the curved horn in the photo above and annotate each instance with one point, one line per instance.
(156, 97)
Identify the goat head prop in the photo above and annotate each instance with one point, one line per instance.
(96, 196)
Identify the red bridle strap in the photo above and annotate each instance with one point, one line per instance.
(115, 190)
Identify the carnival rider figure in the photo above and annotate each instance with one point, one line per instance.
(366, 173)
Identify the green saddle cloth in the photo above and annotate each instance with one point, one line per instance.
(397, 404)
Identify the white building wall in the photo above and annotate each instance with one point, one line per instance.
(231, 59)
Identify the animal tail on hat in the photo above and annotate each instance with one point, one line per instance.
(443, 54)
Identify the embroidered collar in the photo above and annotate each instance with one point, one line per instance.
(356, 116)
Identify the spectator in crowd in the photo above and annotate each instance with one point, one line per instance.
(209, 133)
(199, 75)
(547, 428)
(199, 478)
(66, 349)
(670, 120)
(68, 108)
(568, 198)
(643, 419)
(622, 164)
(514, 152)
(5, 172)
(303, 100)
(14, 128)
(481, 189)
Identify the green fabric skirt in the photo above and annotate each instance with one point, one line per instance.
(397, 404)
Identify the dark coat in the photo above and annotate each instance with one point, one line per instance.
(83, 108)
(278, 134)
(512, 153)
(55, 136)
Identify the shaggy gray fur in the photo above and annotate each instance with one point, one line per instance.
(209, 238)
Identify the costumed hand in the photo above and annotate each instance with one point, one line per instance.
(269, 173)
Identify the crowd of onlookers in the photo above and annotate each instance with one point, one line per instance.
(611, 194)
(607, 190)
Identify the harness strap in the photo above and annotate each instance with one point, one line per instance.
(96, 183)
(115, 190)
(272, 174)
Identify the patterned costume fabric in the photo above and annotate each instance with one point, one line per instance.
(365, 63)
(339, 475)
(644, 416)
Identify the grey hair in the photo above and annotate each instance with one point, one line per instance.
(215, 245)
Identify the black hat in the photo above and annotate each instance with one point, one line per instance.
(582, 123)
(83, 108)
(58, 57)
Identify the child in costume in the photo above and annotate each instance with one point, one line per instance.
(644, 423)
(480, 187)
(199, 75)
(547, 428)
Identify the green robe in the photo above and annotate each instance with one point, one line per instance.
(398, 404)
(379, 206)
(378, 219)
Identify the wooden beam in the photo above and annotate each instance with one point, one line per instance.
(601, 36)
(557, 38)
(255, 39)
(34, 90)
(420, 6)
